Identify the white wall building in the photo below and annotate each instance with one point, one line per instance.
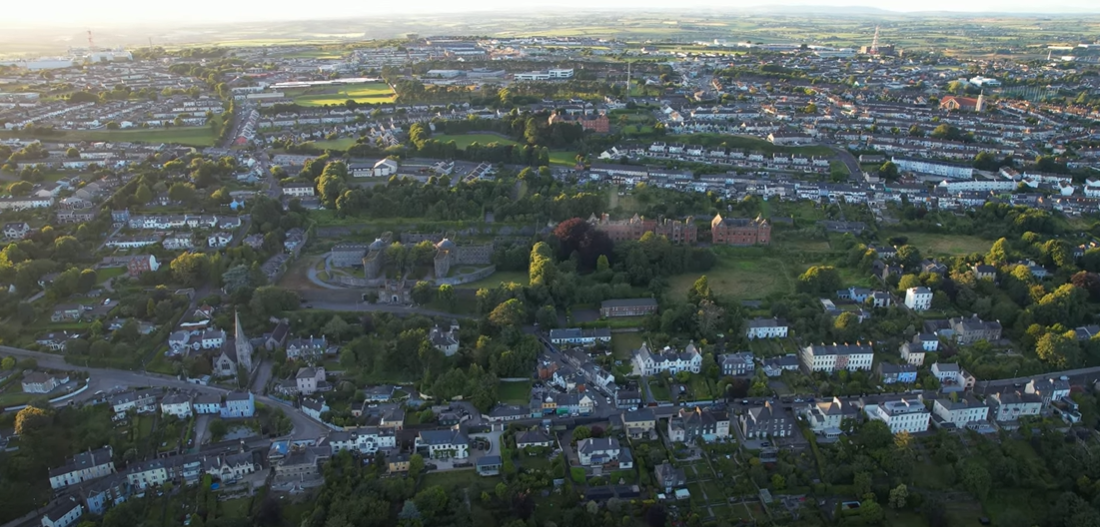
(918, 298)
(766, 328)
(850, 357)
(904, 415)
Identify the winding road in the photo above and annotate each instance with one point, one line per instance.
(107, 379)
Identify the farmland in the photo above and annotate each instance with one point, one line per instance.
(738, 276)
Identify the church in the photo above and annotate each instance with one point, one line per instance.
(231, 359)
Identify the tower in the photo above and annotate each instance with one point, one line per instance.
(874, 43)
(244, 347)
(981, 101)
(91, 43)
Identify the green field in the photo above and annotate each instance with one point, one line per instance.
(106, 273)
(372, 93)
(563, 158)
(946, 244)
(496, 279)
(342, 143)
(190, 136)
(624, 344)
(515, 392)
(464, 140)
(741, 278)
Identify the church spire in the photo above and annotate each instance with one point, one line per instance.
(244, 347)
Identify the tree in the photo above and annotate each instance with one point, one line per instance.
(509, 313)
(7, 363)
(270, 300)
(998, 253)
(601, 262)
(20, 188)
(31, 420)
(542, 268)
(337, 327)
(700, 290)
(898, 496)
(907, 281)
(143, 194)
(423, 292)
(888, 171)
(446, 294)
(88, 279)
(72, 153)
(190, 268)
(182, 192)
(975, 478)
(416, 465)
(985, 161)
(1057, 350)
(576, 235)
(581, 433)
(819, 279)
(547, 317)
(218, 429)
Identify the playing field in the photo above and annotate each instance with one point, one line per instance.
(372, 93)
(190, 136)
(342, 143)
(464, 140)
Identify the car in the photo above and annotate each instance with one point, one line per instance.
(765, 444)
(744, 401)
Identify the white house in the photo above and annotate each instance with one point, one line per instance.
(314, 407)
(766, 328)
(384, 168)
(82, 467)
(366, 440)
(961, 413)
(219, 239)
(602, 451)
(918, 298)
(903, 415)
(443, 444)
(580, 337)
(67, 511)
(176, 404)
(1011, 406)
(298, 190)
(850, 357)
(649, 363)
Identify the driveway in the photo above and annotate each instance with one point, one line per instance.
(202, 422)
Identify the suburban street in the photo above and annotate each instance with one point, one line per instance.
(108, 379)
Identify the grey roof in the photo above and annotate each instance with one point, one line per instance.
(207, 398)
(238, 396)
(489, 460)
(444, 436)
(629, 302)
(594, 444)
(639, 416)
(532, 436)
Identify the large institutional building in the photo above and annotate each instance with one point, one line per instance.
(633, 229)
(740, 231)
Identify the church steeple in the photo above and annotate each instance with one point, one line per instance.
(244, 347)
(981, 101)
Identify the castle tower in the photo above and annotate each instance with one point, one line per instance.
(244, 347)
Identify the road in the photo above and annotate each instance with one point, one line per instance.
(304, 427)
(850, 161)
(322, 300)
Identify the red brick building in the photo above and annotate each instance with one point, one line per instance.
(740, 231)
(596, 123)
(140, 264)
(633, 229)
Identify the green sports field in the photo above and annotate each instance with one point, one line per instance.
(369, 93)
(464, 140)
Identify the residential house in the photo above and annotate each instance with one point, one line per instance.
(177, 404)
(897, 373)
(138, 401)
(502, 413)
(628, 307)
(67, 312)
(601, 452)
(767, 420)
(82, 467)
(207, 404)
(311, 380)
(952, 377)
(688, 425)
(900, 415)
(141, 264)
(669, 476)
(380, 393)
(1009, 407)
(445, 340)
(918, 298)
(302, 463)
(65, 513)
(298, 190)
(639, 424)
(971, 330)
(16, 230)
(829, 359)
(443, 444)
(775, 366)
(488, 465)
(314, 407)
(238, 405)
(628, 398)
(984, 272)
(966, 412)
(103, 493)
(740, 363)
(366, 440)
(766, 328)
(826, 416)
(39, 382)
(580, 337)
(648, 363)
(533, 438)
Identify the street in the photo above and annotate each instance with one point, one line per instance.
(107, 379)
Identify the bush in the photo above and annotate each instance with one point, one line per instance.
(577, 473)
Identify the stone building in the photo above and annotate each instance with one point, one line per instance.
(740, 231)
(634, 228)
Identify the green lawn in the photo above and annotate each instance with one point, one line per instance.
(738, 276)
(563, 158)
(516, 392)
(13, 397)
(496, 279)
(659, 390)
(342, 143)
(464, 140)
(190, 136)
(238, 508)
(624, 344)
(931, 244)
(372, 92)
(455, 479)
(106, 273)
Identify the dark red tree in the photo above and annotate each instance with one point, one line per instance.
(579, 236)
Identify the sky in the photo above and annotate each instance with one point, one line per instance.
(124, 12)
